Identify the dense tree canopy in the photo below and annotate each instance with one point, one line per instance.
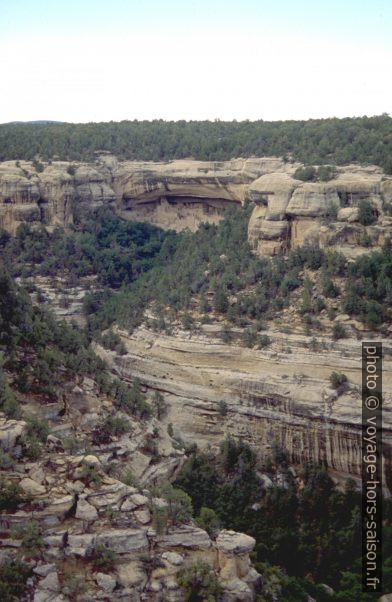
(304, 535)
(210, 270)
(318, 141)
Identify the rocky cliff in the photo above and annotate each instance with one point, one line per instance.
(85, 533)
(182, 194)
(280, 396)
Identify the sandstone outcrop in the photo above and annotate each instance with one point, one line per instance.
(277, 396)
(118, 519)
(82, 512)
(182, 194)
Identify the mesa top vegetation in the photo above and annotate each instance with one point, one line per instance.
(316, 141)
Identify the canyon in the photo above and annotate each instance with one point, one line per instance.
(275, 398)
(185, 193)
(280, 396)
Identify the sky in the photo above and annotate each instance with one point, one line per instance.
(85, 60)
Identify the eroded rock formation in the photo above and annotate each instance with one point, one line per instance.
(280, 396)
(79, 512)
(182, 194)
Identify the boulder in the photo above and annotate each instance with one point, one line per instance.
(109, 495)
(185, 536)
(131, 574)
(142, 516)
(44, 569)
(123, 541)
(105, 582)
(37, 474)
(80, 545)
(32, 487)
(10, 432)
(312, 200)
(273, 190)
(231, 542)
(348, 214)
(91, 460)
(60, 506)
(85, 511)
(173, 558)
(236, 590)
(51, 582)
(273, 230)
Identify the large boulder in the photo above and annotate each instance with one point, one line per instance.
(231, 542)
(123, 541)
(312, 200)
(10, 432)
(185, 536)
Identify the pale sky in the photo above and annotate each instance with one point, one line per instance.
(91, 60)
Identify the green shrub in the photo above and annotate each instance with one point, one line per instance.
(249, 337)
(160, 518)
(318, 305)
(8, 402)
(6, 461)
(199, 582)
(38, 166)
(222, 408)
(117, 425)
(179, 504)
(160, 406)
(263, 341)
(326, 173)
(366, 214)
(306, 174)
(331, 212)
(13, 578)
(290, 281)
(187, 321)
(338, 331)
(30, 534)
(337, 379)
(74, 585)
(151, 563)
(11, 495)
(373, 314)
(226, 334)
(111, 340)
(71, 170)
(33, 448)
(209, 521)
(103, 557)
(329, 289)
(5, 237)
(220, 301)
(37, 428)
(72, 444)
(128, 478)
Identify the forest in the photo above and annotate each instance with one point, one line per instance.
(366, 140)
(209, 275)
(305, 538)
(198, 275)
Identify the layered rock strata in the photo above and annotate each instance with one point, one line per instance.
(280, 396)
(182, 194)
(78, 517)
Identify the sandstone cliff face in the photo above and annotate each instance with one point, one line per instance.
(280, 396)
(78, 516)
(291, 212)
(52, 197)
(183, 194)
